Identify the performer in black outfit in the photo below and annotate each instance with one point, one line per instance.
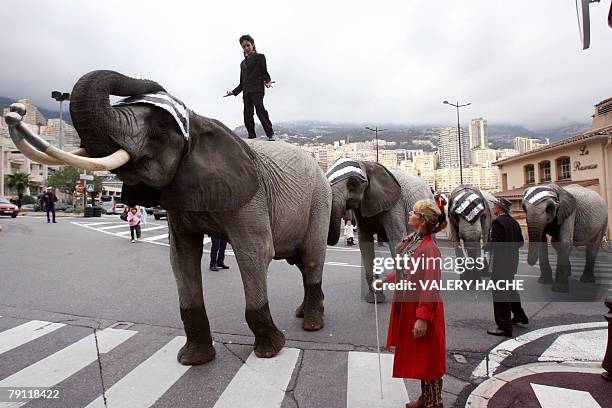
(506, 239)
(217, 253)
(254, 77)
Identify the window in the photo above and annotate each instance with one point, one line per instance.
(545, 174)
(564, 168)
(529, 174)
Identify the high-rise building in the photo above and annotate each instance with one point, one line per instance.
(478, 134)
(483, 157)
(526, 144)
(448, 148)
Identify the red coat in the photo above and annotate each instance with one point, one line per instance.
(423, 358)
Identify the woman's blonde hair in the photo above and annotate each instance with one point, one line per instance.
(435, 219)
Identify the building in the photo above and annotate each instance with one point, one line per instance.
(483, 177)
(483, 157)
(448, 148)
(478, 134)
(526, 144)
(585, 159)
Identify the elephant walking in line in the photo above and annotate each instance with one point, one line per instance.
(470, 217)
(571, 216)
(381, 200)
(270, 200)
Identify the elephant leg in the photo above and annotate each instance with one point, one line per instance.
(366, 248)
(312, 308)
(545, 269)
(253, 259)
(592, 249)
(186, 257)
(563, 270)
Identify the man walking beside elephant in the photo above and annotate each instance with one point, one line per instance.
(506, 239)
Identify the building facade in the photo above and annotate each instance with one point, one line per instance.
(448, 148)
(478, 134)
(526, 144)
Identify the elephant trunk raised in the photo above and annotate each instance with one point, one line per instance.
(338, 209)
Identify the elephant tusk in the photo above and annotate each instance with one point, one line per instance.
(51, 154)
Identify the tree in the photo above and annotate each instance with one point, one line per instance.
(18, 181)
(66, 178)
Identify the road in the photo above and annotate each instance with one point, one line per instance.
(71, 286)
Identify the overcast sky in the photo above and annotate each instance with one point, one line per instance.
(518, 62)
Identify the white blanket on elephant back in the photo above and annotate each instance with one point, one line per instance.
(468, 204)
(535, 194)
(167, 102)
(344, 168)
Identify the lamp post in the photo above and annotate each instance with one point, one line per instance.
(61, 97)
(457, 106)
(376, 130)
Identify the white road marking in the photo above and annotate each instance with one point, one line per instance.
(488, 366)
(553, 397)
(17, 336)
(144, 229)
(155, 238)
(363, 388)
(113, 227)
(580, 346)
(94, 223)
(59, 366)
(260, 382)
(145, 384)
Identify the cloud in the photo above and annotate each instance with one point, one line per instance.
(517, 62)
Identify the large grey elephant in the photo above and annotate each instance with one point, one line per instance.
(470, 217)
(381, 200)
(571, 216)
(270, 200)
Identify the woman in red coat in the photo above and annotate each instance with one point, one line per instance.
(416, 326)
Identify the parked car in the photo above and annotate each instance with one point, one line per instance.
(159, 212)
(30, 207)
(6, 208)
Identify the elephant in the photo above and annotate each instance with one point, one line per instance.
(572, 216)
(270, 200)
(381, 200)
(470, 217)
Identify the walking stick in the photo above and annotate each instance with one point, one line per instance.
(378, 343)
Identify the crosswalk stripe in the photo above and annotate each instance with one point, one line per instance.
(363, 388)
(89, 224)
(260, 382)
(54, 369)
(17, 336)
(156, 237)
(113, 227)
(143, 230)
(148, 382)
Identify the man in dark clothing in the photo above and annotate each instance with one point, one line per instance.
(47, 202)
(254, 77)
(217, 253)
(506, 239)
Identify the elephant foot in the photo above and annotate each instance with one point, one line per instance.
(545, 280)
(193, 353)
(380, 297)
(299, 312)
(269, 346)
(562, 287)
(313, 319)
(313, 307)
(587, 278)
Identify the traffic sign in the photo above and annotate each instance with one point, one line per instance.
(80, 188)
(87, 177)
(90, 188)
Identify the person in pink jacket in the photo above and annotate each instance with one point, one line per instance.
(134, 218)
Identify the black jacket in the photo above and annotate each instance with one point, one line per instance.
(48, 200)
(506, 239)
(253, 74)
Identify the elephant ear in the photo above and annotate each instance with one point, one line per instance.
(485, 219)
(567, 204)
(140, 194)
(217, 172)
(383, 190)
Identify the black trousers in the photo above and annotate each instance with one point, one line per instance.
(217, 251)
(136, 229)
(50, 211)
(505, 304)
(254, 100)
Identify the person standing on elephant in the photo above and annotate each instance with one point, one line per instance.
(48, 201)
(416, 325)
(254, 77)
(217, 253)
(506, 239)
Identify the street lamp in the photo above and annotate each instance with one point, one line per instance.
(459, 135)
(61, 97)
(376, 130)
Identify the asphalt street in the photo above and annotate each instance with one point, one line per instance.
(84, 274)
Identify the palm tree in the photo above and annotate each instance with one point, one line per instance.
(18, 181)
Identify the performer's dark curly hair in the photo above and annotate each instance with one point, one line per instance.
(248, 38)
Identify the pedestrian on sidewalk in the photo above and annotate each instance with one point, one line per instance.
(416, 325)
(47, 202)
(134, 218)
(506, 239)
(349, 234)
(217, 253)
(254, 77)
